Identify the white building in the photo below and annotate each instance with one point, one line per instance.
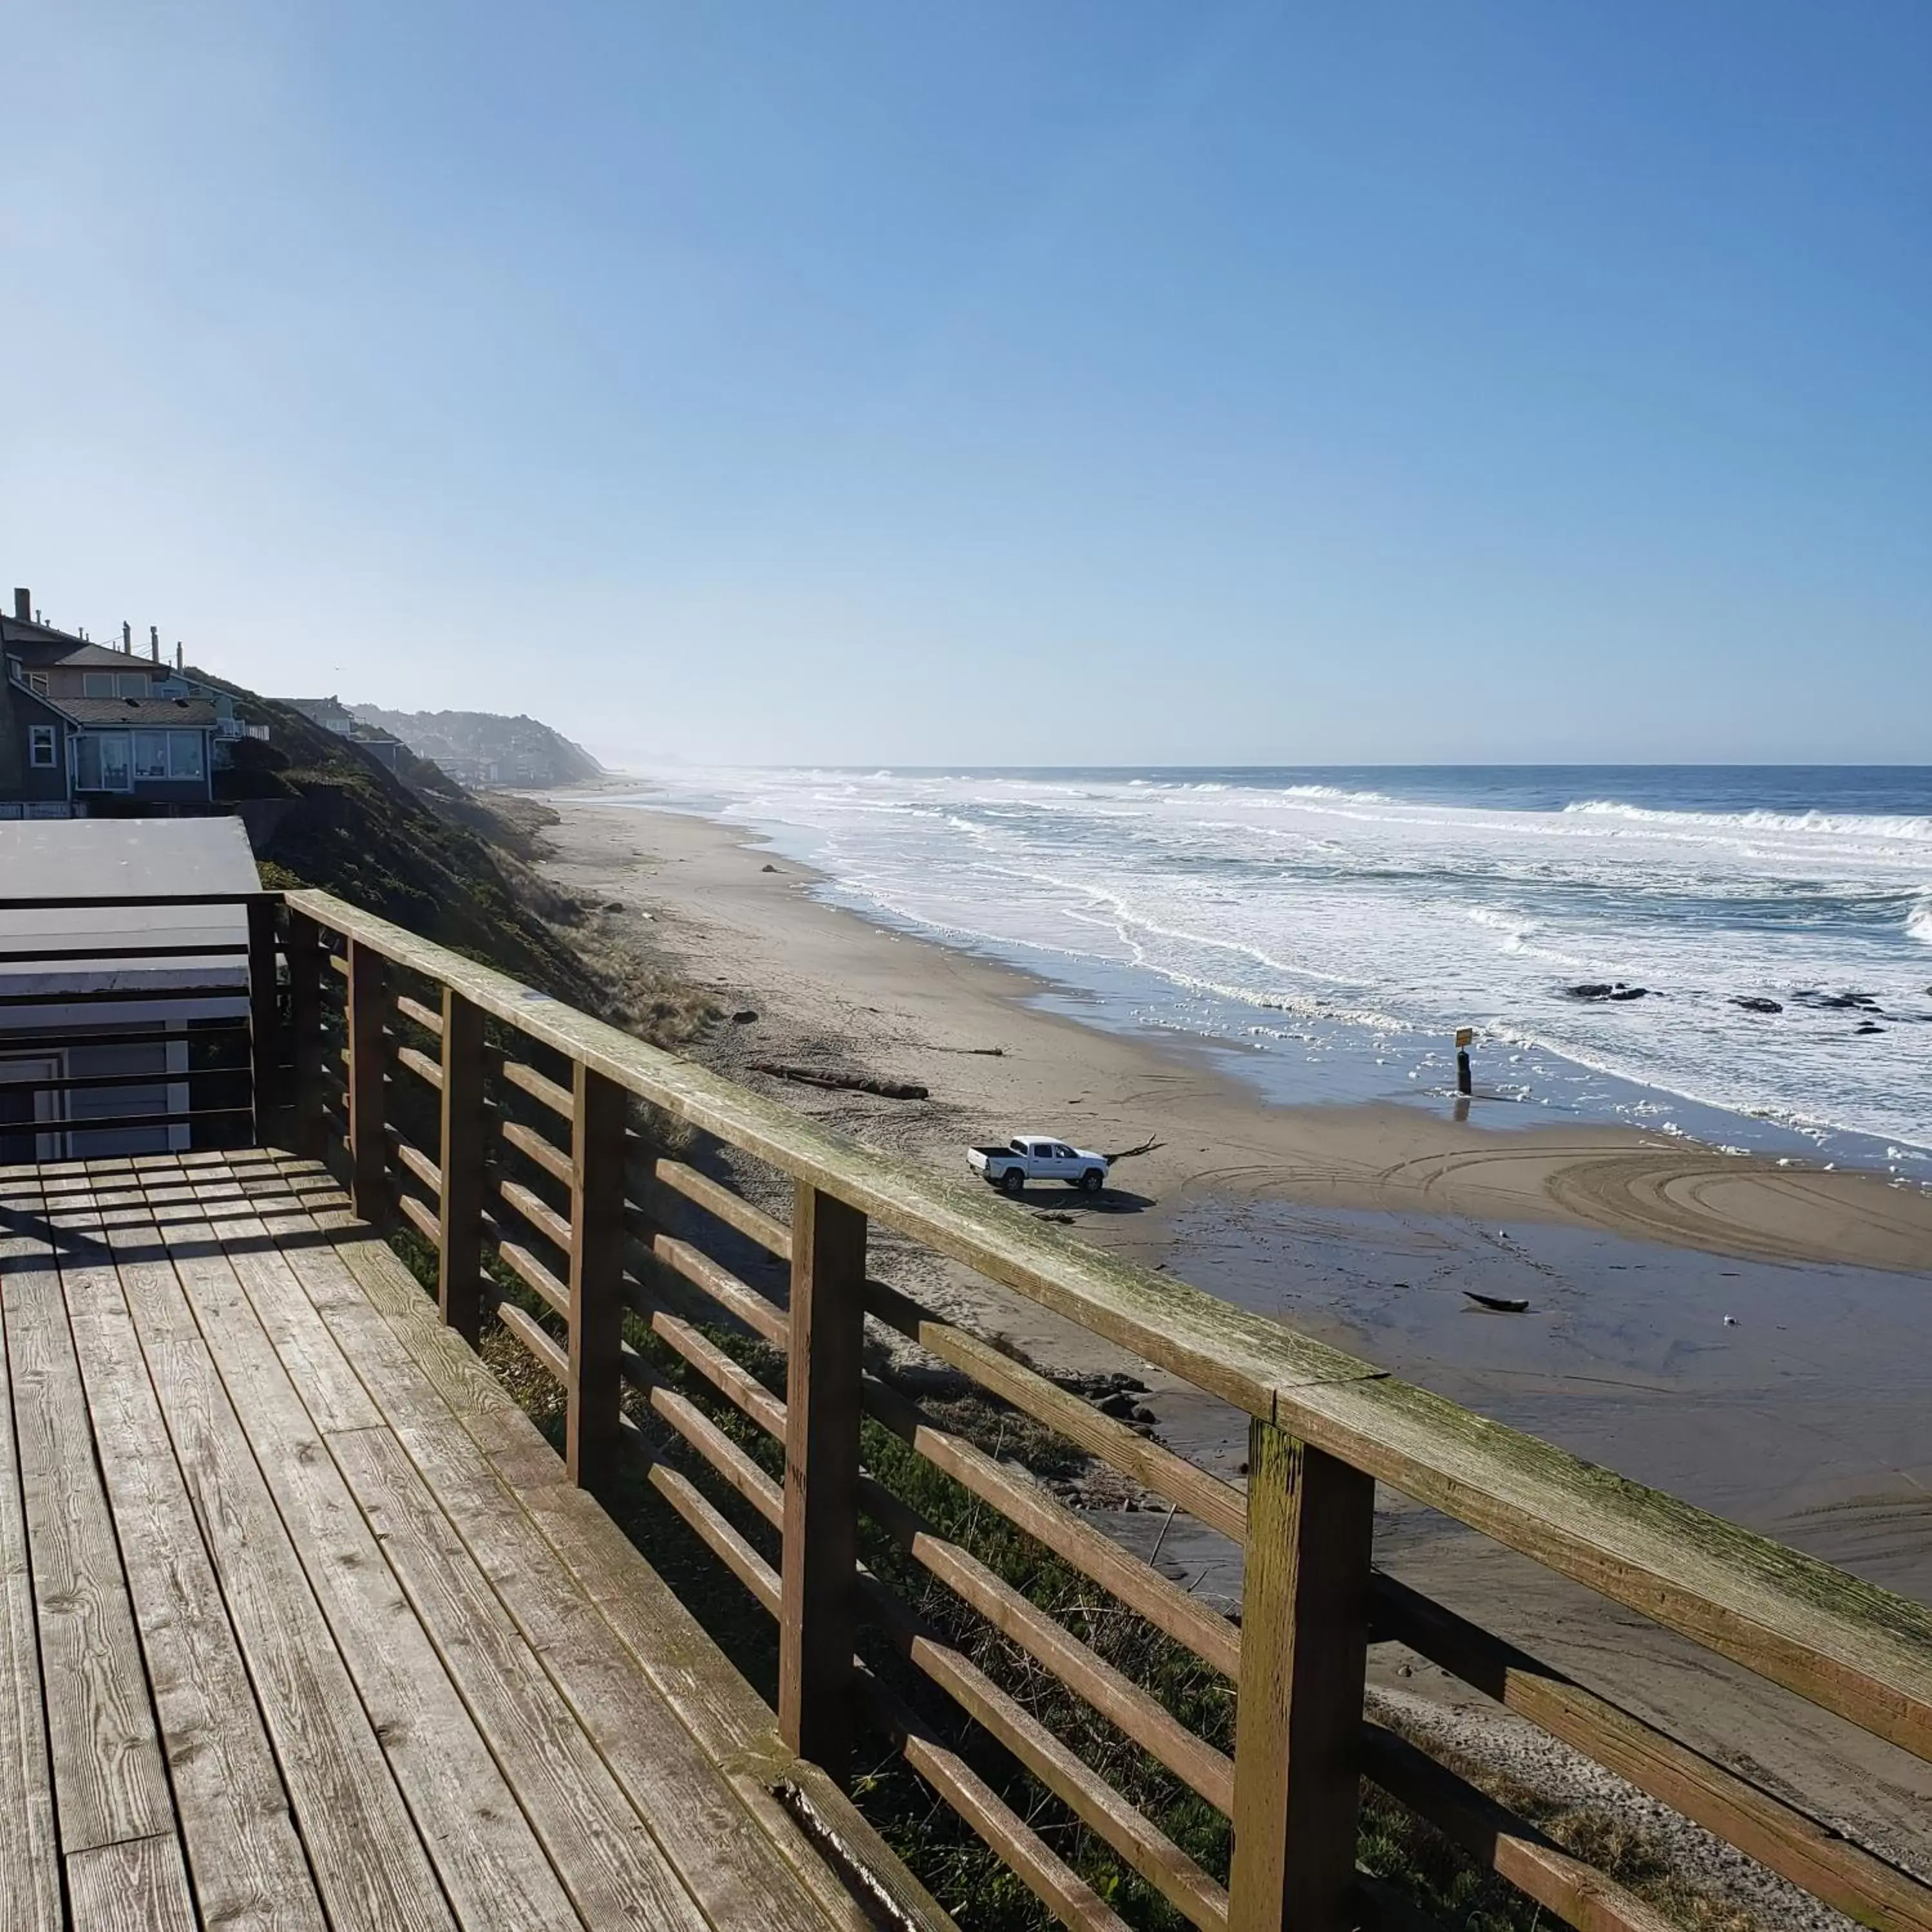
(78, 1017)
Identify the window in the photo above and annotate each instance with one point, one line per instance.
(101, 762)
(37, 681)
(96, 684)
(40, 752)
(131, 684)
(150, 754)
(185, 754)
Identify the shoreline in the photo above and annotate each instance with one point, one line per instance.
(1740, 1334)
(1406, 1157)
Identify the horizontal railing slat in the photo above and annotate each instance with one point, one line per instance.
(1138, 1585)
(1765, 1827)
(1577, 1893)
(554, 1160)
(1138, 1841)
(1148, 1722)
(680, 1413)
(766, 1319)
(1187, 1485)
(1056, 1885)
(534, 1337)
(427, 1017)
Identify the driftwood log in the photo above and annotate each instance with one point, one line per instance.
(849, 1083)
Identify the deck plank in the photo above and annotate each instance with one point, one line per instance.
(609, 1861)
(109, 1782)
(247, 1862)
(605, 1851)
(494, 1871)
(369, 1864)
(724, 1838)
(138, 1886)
(614, 1868)
(30, 1893)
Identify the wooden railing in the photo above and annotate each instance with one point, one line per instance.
(526, 1167)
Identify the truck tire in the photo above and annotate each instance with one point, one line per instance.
(1092, 1181)
(1013, 1181)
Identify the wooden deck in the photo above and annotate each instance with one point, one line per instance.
(301, 1624)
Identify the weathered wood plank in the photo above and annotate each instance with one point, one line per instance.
(1056, 1885)
(465, 1149)
(612, 1867)
(304, 958)
(595, 1391)
(1577, 1893)
(137, 1886)
(770, 1234)
(248, 1865)
(731, 1379)
(1205, 1631)
(744, 1859)
(824, 1372)
(368, 1053)
(1304, 1631)
(765, 1319)
(440, 1763)
(554, 1161)
(1204, 1497)
(109, 1782)
(1862, 1651)
(265, 1036)
(1135, 1839)
(368, 1862)
(1121, 1702)
(1798, 1847)
(30, 1898)
(250, 1283)
(417, 1364)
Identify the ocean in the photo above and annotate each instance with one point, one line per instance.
(1767, 931)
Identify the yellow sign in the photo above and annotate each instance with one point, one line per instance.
(1464, 1036)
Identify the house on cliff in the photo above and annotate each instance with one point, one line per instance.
(83, 726)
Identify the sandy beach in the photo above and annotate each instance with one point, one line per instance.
(1747, 1334)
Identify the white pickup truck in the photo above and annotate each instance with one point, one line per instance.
(1033, 1157)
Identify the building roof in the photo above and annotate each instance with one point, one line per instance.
(72, 655)
(99, 858)
(27, 631)
(149, 713)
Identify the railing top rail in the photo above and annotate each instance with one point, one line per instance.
(113, 901)
(1846, 1645)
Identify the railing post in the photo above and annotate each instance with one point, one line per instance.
(1298, 1721)
(464, 1143)
(305, 968)
(370, 1005)
(264, 1019)
(824, 1391)
(596, 1389)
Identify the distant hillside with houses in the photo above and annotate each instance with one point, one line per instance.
(479, 748)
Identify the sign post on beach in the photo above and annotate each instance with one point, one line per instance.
(1464, 1036)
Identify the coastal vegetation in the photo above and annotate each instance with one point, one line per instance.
(457, 866)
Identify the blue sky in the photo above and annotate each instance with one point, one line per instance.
(1102, 382)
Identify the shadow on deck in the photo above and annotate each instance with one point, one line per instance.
(301, 1624)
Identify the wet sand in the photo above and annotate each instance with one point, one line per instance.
(1803, 1416)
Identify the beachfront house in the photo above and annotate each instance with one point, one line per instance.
(84, 726)
(163, 1035)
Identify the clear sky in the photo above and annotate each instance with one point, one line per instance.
(1019, 381)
